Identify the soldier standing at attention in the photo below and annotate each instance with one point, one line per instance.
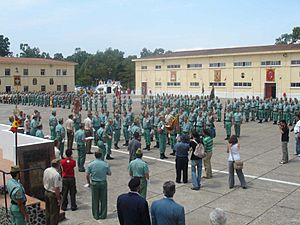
(260, 111)
(88, 132)
(96, 121)
(77, 121)
(17, 195)
(247, 110)
(96, 175)
(70, 131)
(52, 124)
(101, 141)
(219, 110)
(33, 125)
(237, 120)
(108, 132)
(139, 168)
(155, 124)
(117, 129)
(60, 136)
(161, 129)
(228, 123)
(126, 123)
(147, 130)
(80, 141)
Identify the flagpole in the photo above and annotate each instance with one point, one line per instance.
(16, 146)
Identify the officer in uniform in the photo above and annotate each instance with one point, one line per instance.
(96, 175)
(161, 129)
(228, 122)
(237, 120)
(17, 195)
(108, 132)
(77, 121)
(139, 168)
(39, 133)
(101, 141)
(219, 110)
(260, 111)
(247, 110)
(60, 136)
(155, 124)
(80, 141)
(147, 130)
(52, 125)
(33, 125)
(96, 125)
(126, 124)
(117, 130)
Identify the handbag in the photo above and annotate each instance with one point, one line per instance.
(237, 164)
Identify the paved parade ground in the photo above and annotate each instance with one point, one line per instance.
(273, 190)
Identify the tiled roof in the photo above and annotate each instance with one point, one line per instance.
(34, 61)
(224, 51)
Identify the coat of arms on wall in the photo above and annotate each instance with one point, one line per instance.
(173, 76)
(217, 75)
(270, 75)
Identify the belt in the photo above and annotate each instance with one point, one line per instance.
(15, 203)
(68, 177)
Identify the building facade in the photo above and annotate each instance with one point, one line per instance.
(265, 71)
(36, 74)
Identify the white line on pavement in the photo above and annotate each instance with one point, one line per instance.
(218, 171)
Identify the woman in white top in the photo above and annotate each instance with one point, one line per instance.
(233, 148)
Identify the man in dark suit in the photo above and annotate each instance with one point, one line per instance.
(133, 208)
(166, 211)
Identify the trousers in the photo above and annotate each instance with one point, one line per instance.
(52, 208)
(231, 175)
(99, 199)
(69, 186)
(181, 165)
(207, 164)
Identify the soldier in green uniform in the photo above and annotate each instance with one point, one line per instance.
(129, 102)
(260, 111)
(17, 195)
(124, 103)
(219, 110)
(33, 125)
(39, 133)
(139, 168)
(186, 126)
(161, 129)
(135, 128)
(117, 129)
(101, 140)
(105, 103)
(228, 122)
(77, 121)
(200, 123)
(155, 124)
(237, 120)
(108, 132)
(247, 110)
(96, 175)
(147, 130)
(253, 109)
(275, 113)
(80, 141)
(96, 125)
(126, 124)
(52, 125)
(60, 136)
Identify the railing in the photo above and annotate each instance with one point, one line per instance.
(4, 183)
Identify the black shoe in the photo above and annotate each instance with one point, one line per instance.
(195, 189)
(165, 157)
(108, 157)
(145, 148)
(148, 147)
(245, 187)
(116, 147)
(74, 209)
(227, 138)
(173, 153)
(89, 153)
(63, 209)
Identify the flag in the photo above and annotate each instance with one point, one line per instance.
(14, 126)
(212, 93)
(202, 88)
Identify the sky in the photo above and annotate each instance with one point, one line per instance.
(130, 25)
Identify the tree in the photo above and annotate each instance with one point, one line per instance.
(4, 46)
(58, 56)
(28, 52)
(292, 38)
(145, 52)
(158, 51)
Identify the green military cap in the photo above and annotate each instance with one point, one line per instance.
(161, 114)
(139, 152)
(15, 169)
(55, 161)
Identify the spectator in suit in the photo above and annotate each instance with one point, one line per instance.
(166, 210)
(218, 217)
(133, 208)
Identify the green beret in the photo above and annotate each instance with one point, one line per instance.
(14, 169)
(139, 152)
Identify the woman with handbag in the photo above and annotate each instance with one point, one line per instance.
(234, 162)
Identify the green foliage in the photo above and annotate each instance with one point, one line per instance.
(58, 56)
(292, 38)
(158, 51)
(28, 52)
(4, 46)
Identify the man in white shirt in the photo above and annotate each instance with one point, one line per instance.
(297, 135)
(53, 185)
(70, 131)
(88, 132)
